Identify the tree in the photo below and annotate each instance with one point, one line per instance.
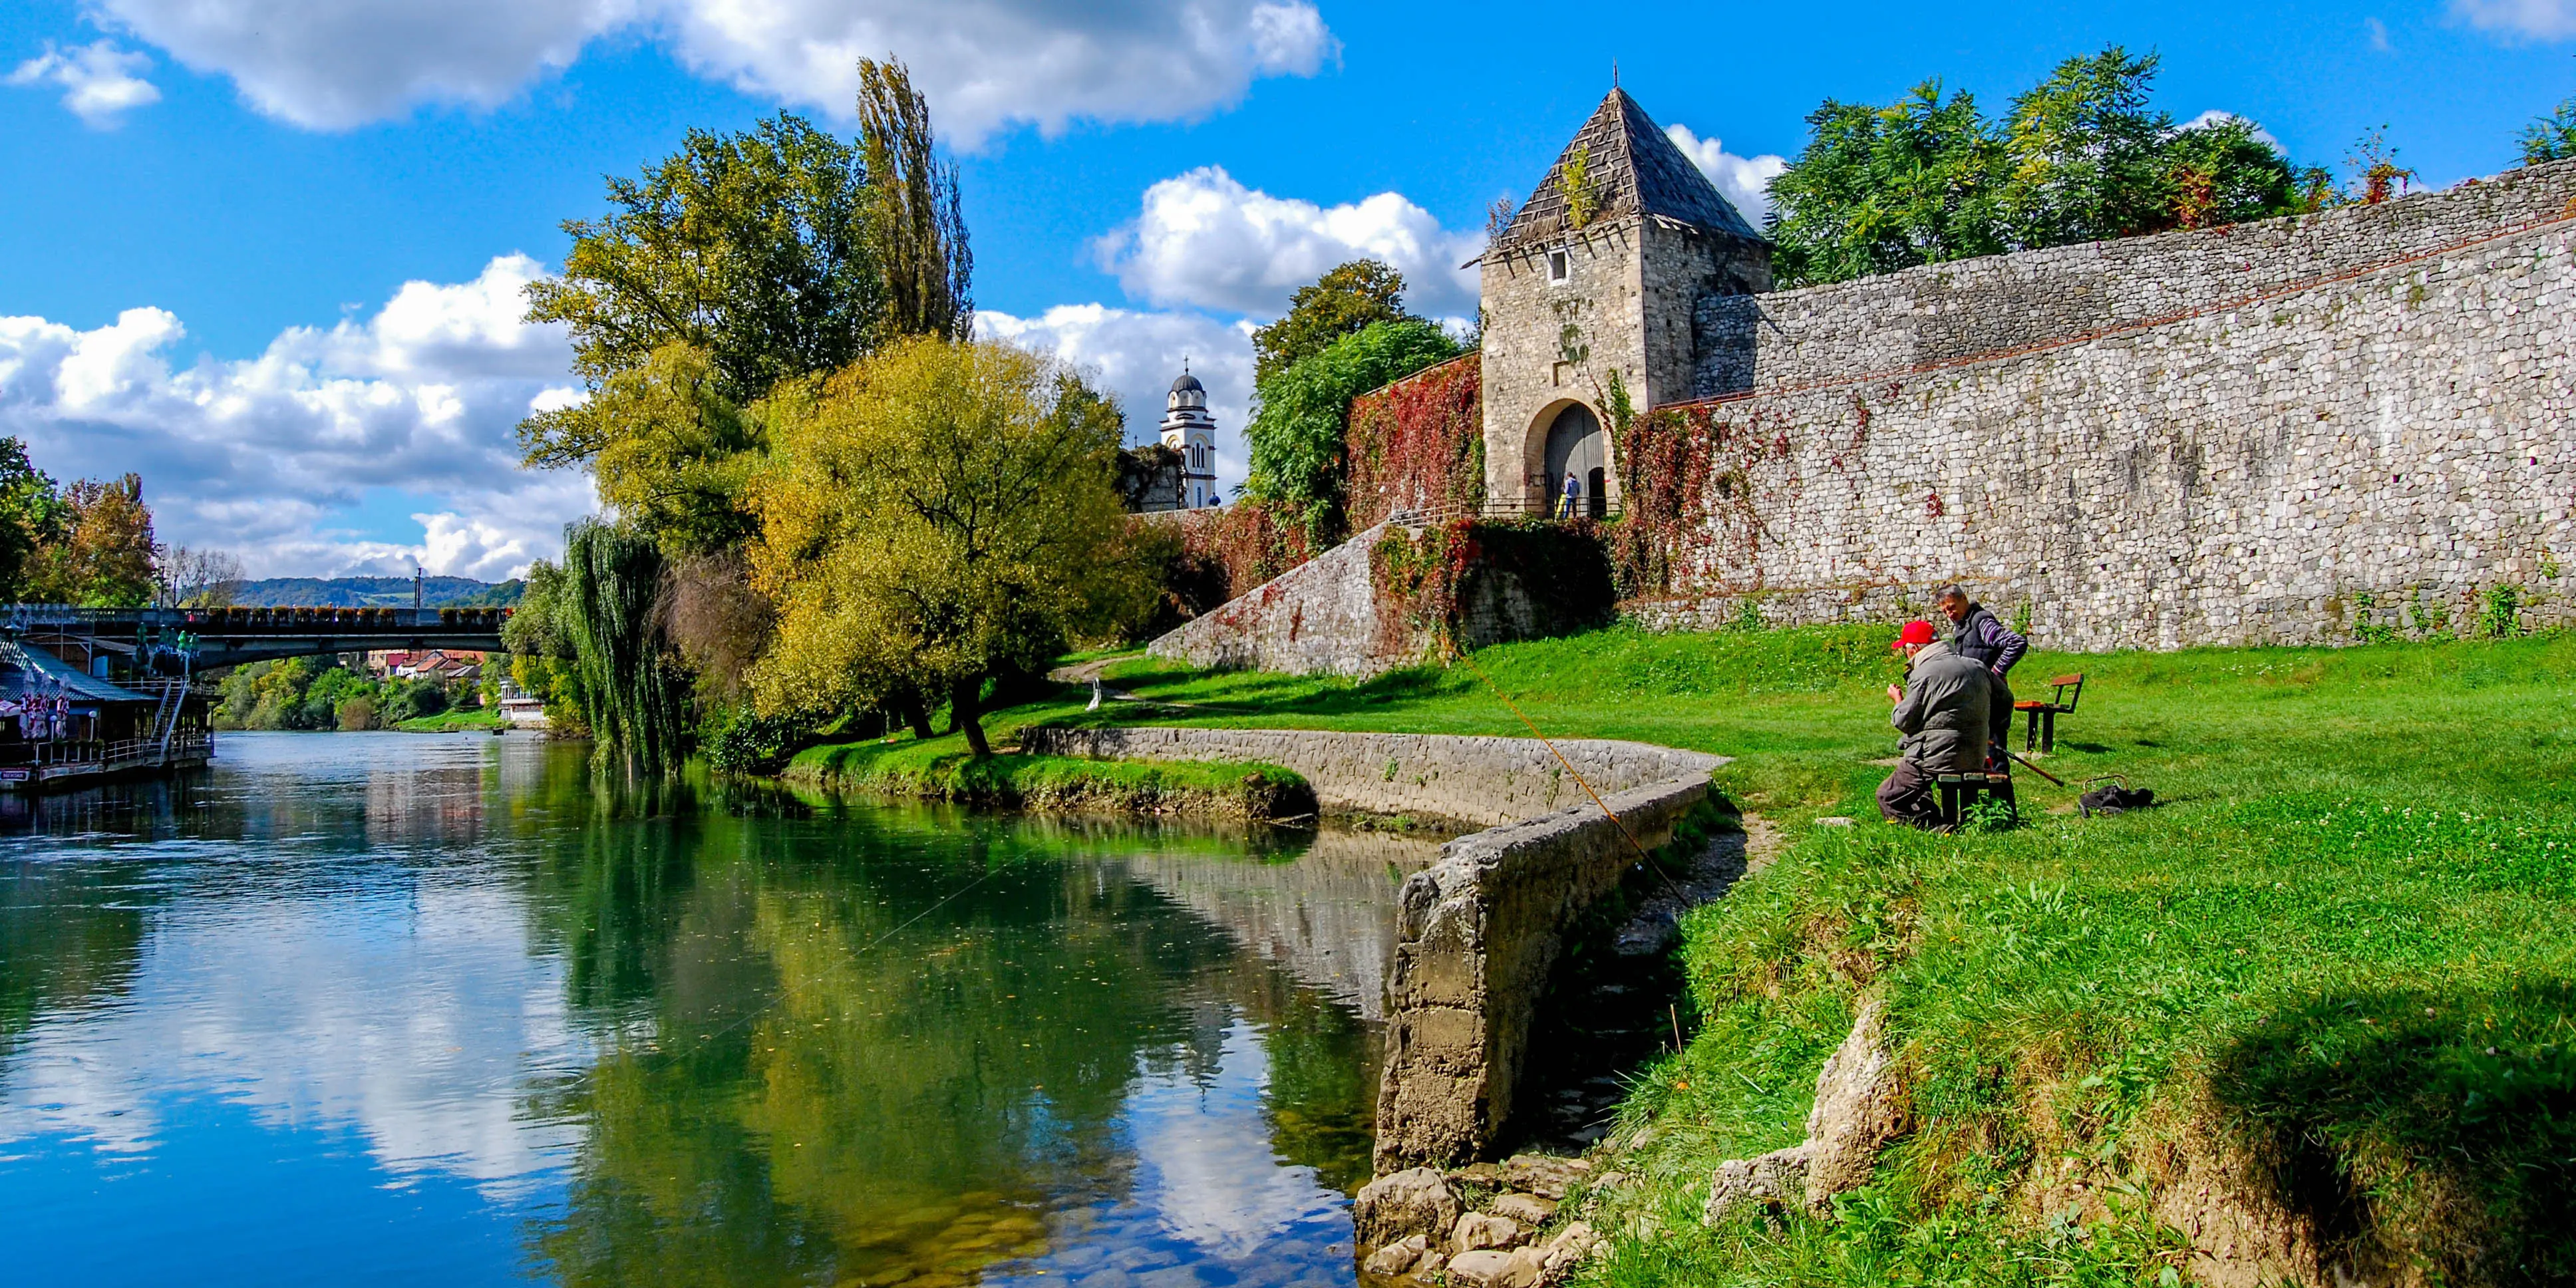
(939, 516)
(1880, 189)
(2224, 173)
(31, 514)
(200, 578)
(608, 607)
(751, 247)
(2085, 156)
(1345, 299)
(102, 556)
(668, 451)
(915, 215)
(2552, 137)
(1300, 430)
(543, 662)
(2081, 157)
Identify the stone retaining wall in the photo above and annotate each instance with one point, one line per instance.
(1319, 618)
(1479, 931)
(1475, 780)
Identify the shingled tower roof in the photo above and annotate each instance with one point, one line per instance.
(1633, 170)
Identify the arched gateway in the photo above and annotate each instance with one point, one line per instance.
(1592, 287)
(1576, 446)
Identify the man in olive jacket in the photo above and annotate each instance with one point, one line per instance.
(1942, 713)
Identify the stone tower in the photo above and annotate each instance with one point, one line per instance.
(1599, 273)
(1191, 431)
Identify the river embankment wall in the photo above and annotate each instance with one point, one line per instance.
(2307, 430)
(1479, 931)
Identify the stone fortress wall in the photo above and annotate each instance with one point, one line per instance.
(2277, 432)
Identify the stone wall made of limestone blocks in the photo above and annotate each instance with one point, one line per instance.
(2246, 476)
(1477, 932)
(1319, 618)
(1478, 935)
(1548, 343)
(1475, 780)
(1945, 312)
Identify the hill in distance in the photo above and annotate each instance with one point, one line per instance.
(377, 592)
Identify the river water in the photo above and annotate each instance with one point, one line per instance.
(402, 1009)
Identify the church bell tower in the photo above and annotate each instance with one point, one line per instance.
(1191, 431)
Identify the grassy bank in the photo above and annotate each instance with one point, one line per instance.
(2336, 963)
(453, 722)
(941, 769)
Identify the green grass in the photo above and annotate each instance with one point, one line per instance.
(941, 769)
(2337, 959)
(453, 722)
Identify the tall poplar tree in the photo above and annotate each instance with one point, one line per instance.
(913, 210)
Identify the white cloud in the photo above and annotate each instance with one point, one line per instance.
(986, 64)
(2377, 33)
(268, 456)
(2215, 117)
(2530, 19)
(100, 82)
(1204, 239)
(1746, 181)
(278, 1006)
(332, 64)
(1134, 355)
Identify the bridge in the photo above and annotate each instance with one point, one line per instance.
(176, 640)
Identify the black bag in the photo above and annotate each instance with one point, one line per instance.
(2115, 799)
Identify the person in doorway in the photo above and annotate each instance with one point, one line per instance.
(1976, 635)
(1572, 500)
(1942, 713)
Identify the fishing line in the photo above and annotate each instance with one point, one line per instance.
(1459, 654)
(951, 897)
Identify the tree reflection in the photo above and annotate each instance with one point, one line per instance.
(871, 1045)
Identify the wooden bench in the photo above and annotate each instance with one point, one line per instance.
(2043, 715)
(1960, 791)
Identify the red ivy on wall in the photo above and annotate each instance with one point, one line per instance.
(1419, 444)
(1245, 542)
(1688, 483)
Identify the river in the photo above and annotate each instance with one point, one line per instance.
(404, 1009)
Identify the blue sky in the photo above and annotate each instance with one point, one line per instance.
(267, 251)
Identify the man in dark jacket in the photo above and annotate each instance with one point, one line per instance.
(1976, 635)
(1942, 713)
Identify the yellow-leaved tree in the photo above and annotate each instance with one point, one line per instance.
(935, 517)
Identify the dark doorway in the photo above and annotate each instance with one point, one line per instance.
(1576, 446)
(1596, 494)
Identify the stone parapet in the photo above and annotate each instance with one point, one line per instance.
(1475, 780)
(1479, 931)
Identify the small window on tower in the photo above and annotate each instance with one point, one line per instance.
(1560, 265)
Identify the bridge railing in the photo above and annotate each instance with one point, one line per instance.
(282, 618)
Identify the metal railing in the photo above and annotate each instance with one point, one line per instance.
(121, 753)
(1515, 508)
(25, 617)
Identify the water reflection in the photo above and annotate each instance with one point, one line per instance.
(711, 1036)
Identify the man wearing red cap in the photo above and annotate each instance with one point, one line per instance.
(1942, 713)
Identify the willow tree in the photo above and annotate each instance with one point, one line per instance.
(939, 516)
(612, 582)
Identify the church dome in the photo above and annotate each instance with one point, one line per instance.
(1188, 384)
